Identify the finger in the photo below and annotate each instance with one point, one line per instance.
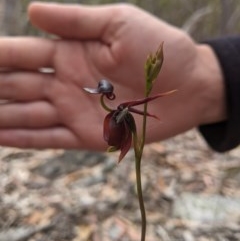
(72, 21)
(28, 115)
(24, 86)
(26, 53)
(58, 137)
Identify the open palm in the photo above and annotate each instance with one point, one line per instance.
(50, 109)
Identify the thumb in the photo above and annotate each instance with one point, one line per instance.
(72, 21)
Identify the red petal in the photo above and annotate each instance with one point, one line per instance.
(145, 100)
(118, 135)
(106, 126)
(114, 133)
(126, 144)
(142, 113)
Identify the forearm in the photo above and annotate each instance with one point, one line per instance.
(213, 100)
(225, 135)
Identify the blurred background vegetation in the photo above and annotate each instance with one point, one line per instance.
(201, 18)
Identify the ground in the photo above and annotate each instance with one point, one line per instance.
(191, 194)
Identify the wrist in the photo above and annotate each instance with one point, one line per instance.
(212, 94)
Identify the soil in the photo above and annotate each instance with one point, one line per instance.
(59, 195)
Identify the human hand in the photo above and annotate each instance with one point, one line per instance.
(111, 42)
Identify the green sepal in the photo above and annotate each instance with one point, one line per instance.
(112, 149)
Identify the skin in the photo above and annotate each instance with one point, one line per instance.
(50, 110)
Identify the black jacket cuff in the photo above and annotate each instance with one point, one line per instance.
(225, 135)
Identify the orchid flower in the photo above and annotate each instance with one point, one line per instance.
(119, 125)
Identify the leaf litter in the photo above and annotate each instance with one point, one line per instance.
(58, 195)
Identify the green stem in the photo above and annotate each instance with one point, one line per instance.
(144, 124)
(138, 149)
(144, 127)
(140, 198)
(138, 157)
(104, 105)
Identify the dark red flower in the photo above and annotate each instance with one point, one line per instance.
(119, 124)
(117, 131)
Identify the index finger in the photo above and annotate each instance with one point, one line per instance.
(26, 53)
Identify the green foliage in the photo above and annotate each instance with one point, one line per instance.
(223, 17)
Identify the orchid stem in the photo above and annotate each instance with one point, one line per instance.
(144, 127)
(138, 149)
(140, 199)
(138, 157)
(105, 107)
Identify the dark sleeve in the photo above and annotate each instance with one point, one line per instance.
(224, 136)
